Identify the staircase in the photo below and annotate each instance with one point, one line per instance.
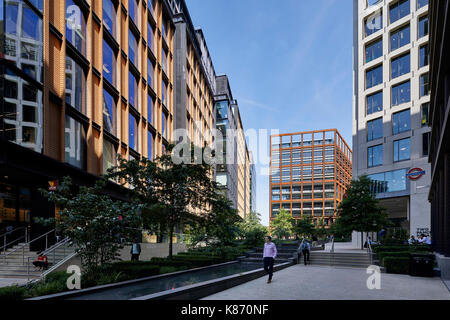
(340, 259)
(287, 252)
(17, 262)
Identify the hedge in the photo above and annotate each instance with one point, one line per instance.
(399, 265)
(378, 249)
(395, 254)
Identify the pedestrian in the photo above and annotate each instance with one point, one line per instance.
(412, 240)
(305, 248)
(269, 255)
(135, 250)
(41, 263)
(314, 240)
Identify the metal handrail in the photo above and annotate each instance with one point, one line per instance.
(332, 245)
(6, 245)
(369, 250)
(28, 243)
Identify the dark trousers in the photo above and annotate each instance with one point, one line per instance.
(305, 253)
(134, 257)
(268, 266)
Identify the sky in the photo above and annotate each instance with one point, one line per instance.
(289, 63)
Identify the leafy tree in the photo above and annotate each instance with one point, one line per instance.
(220, 227)
(304, 227)
(360, 210)
(180, 192)
(252, 230)
(282, 224)
(320, 230)
(97, 225)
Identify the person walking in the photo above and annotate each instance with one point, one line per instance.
(269, 255)
(135, 251)
(305, 248)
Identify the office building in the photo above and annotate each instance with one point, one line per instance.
(440, 132)
(309, 174)
(391, 107)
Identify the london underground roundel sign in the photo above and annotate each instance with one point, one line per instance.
(415, 173)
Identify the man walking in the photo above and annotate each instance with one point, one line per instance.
(304, 249)
(270, 253)
(135, 251)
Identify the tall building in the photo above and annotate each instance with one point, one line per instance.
(195, 78)
(309, 174)
(234, 174)
(391, 106)
(440, 134)
(81, 82)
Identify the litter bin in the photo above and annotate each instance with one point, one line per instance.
(421, 265)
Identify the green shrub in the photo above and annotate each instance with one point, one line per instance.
(382, 248)
(399, 265)
(395, 254)
(12, 293)
(44, 288)
(163, 270)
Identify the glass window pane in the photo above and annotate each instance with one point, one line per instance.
(109, 16)
(75, 26)
(374, 102)
(402, 150)
(424, 85)
(75, 143)
(374, 77)
(109, 113)
(400, 38)
(423, 56)
(400, 66)
(401, 122)
(375, 156)
(423, 26)
(109, 63)
(375, 129)
(374, 50)
(399, 10)
(373, 23)
(401, 93)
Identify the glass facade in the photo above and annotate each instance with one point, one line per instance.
(375, 156)
(423, 56)
(109, 156)
(401, 93)
(133, 90)
(423, 26)
(75, 143)
(133, 49)
(109, 17)
(421, 3)
(373, 23)
(75, 85)
(402, 150)
(375, 129)
(22, 112)
(401, 121)
(374, 102)
(400, 38)
(374, 76)
(391, 181)
(75, 26)
(109, 113)
(399, 10)
(400, 66)
(132, 132)
(374, 50)
(109, 63)
(424, 85)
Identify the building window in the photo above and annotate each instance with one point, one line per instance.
(374, 76)
(150, 141)
(164, 124)
(421, 3)
(164, 28)
(150, 105)
(109, 156)
(401, 93)
(423, 26)
(391, 181)
(133, 9)
(399, 10)
(133, 49)
(373, 23)
(75, 143)
(402, 150)
(150, 73)
(374, 102)
(75, 85)
(375, 156)
(109, 63)
(164, 61)
(400, 38)
(133, 90)
(75, 26)
(164, 96)
(109, 113)
(375, 129)
(423, 56)
(401, 121)
(150, 36)
(425, 111)
(109, 17)
(400, 66)
(424, 85)
(374, 50)
(132, 132)
(426, 144)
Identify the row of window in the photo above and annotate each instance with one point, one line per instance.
(397, 10)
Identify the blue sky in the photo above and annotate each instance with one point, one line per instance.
(289, 63)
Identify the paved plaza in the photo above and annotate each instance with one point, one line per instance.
(6, 282)
(301, 282)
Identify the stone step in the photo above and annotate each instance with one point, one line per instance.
(339, 258)
(260, 260)
(340, 264)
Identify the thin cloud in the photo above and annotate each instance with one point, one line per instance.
(257, 104)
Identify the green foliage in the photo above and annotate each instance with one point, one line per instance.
(12, 293)
(96, 224)
(360, 210)
(399, 265)
(412, 248)
(304, 227)
(282, 224)
(252, 231)
(383, 255)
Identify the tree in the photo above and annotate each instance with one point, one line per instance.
(304, 227)
(360, 210)
(97, 225)
(220, 227)
(320, 230)
(180, 191)
(252, 231)
(282, 224)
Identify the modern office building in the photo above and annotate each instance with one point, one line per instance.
(195, 79)
(234, 174)
(440, 132)
(81, 82)
(309, 174)
(391, 106)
